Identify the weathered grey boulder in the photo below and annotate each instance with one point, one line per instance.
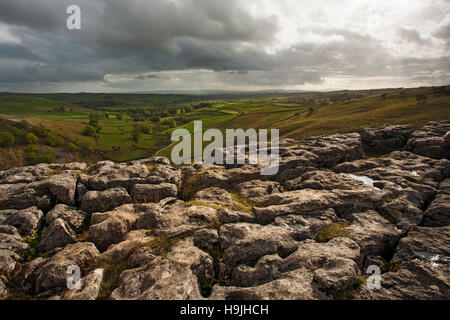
(206, 239)
(334, 149)
(336, 275)
(424, 243)
(176, 276)
(227, 215)
(8, 260)
(28, 174)
(5, 214)
(53, 273)
(245, 243)
(142, 193)
(89, 287)
(255, 190)
(26, 221)
(74, 217)
(428, 140)
(8, 230)
(374, 234)
(110, 175)
(309, 254)
(386, 138)
(438, 212)
(307, 226)
(58, 234)
(324, 180)
(132, 241)
(28, 275)
(61, 187)
(355, 166)
(416, 280)
(214, 196)
(306, 201)
(424, 256)
(226, 179)
(141, 257)
(101, 201)
(114, 225)
(12, 242)
(22, 198)
(172, 218)
(164, 173)
(151, 161)
(293, 285)
(297, 202)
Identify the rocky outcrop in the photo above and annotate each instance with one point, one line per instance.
(386, 138)
(26, 221)
(74, 217)
(143, 193)
(111, 227)
(423, 258)
(175, 276)
(427, 141)
(58, 234)
(52, 274)
(89, 287)
(147, 230)
(100, 201)
(438, 212)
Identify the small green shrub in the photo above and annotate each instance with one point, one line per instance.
(33, 241)
(89, 131)
(6, 140)
(32, 138)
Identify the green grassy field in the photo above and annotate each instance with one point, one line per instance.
(295, 114)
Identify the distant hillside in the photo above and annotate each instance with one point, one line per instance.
(134, 126)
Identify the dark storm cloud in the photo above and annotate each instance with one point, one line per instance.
(412, 35)
(444, 34)
(138, 40)
(128, 36)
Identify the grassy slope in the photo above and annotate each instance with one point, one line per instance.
(369, 112)
(35, 106)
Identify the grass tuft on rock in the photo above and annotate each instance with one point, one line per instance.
(189, 187)
(335, 230)
(386, 215)
(111, 276)
(151, 167)
(33, 241)
(202, 204)
(161, 245)
(241, 204)
(390, 266)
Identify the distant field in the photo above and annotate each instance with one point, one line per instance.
(98, 101)
(35, 106)
(295, 114)
(372, 111)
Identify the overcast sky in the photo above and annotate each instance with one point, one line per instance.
(149, 45)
